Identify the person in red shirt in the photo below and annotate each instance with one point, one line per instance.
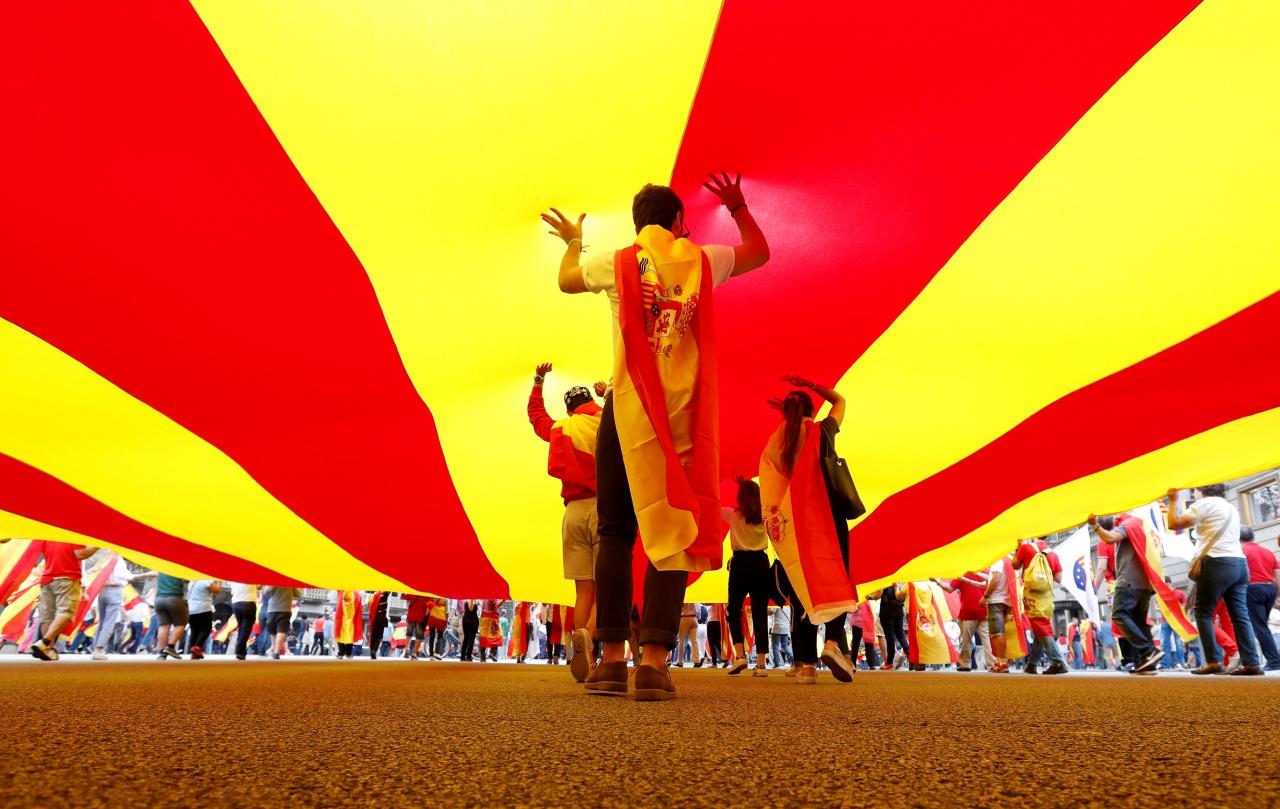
(972, 617)
(1039, 605)
(59, 592)
(417, 618)
(571, 459)
(1264, 579)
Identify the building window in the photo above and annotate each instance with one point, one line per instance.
(1263, 503)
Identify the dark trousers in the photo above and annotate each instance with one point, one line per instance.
(1129, 610)
(435, 641)
(246, 613)
(713, 641)
(470, 626)
(1261, 597)
(749, 575)
(895, 631)
(873, 658)
(379, 626)
(344, 649)
(663, 589)
(200, 624)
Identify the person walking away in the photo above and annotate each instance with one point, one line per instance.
(172, 614)
(419, 606)
(661, 487)
(348, 622)
(1223, 575)
(470, 628)
(749, 575)
(810, 539)
(780, 636)
(60, 591)
(715, 632)
(1264, 579)
(111, 602)
(1041, 569)
(571, 460)
(244, 606)
(490, 629)
(891, 621)
(200, 618)
(688, 634)
(972, 616)
(279, 603)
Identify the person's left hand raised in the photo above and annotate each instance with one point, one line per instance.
(562, 226)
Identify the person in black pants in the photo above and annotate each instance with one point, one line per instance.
(470, 627)
(714, 626)
(749, 575)
(377, 621)
(891, 620)
(246, 612)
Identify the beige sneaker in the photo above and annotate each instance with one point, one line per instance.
(837, 662)
(99, 655)
(760, 671)
(793, 671)
(808, 675)
(739, 665)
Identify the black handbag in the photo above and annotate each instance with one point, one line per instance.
(845, 501)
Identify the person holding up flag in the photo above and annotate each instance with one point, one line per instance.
(59, 591)
(972, 618)
(1006, 622)
(1221, 574)
(348, 622)
(1040, 571)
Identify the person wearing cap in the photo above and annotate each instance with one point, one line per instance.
(571, 459)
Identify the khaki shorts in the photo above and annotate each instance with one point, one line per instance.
(59, 597)
(581, 540)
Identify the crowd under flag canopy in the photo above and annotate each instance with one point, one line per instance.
(274, 281)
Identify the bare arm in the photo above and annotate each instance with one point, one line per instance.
(85, 552)
(570, 276)
(1176, 521)
(830, 394)
(945, 585)
(1105, 535)
(753, 252)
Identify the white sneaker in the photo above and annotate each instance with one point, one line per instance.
(739, 665)
(99, 655)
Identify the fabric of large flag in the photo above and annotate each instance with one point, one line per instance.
(276, 269)
(1077, 572)
(17, 559)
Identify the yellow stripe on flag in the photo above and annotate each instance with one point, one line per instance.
(66, 420)
(1154, 218)
(551, 115)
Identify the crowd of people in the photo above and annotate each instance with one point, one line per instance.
(641, 466)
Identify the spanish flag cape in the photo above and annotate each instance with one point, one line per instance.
(571, 458)
(518, 646)
(438, 614)
(400, 635)
(1087, 637)
(797, 517)
(490, 625)
(348, 621)
(666, 399)
(17, 558)
(228, 626)
(1016, 625)
(927, 616)
(1146, 545)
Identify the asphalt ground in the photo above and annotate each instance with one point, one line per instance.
(398, 733)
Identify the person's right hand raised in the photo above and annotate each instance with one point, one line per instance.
(543, 369)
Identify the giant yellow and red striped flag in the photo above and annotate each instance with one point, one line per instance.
(276, 270)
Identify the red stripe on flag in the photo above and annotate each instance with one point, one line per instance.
(874, 138)
(160, 235)
(36, 495)
(1092, 429)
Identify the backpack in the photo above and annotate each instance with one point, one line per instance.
(1038, 577)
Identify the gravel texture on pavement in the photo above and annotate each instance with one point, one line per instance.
(395, 733)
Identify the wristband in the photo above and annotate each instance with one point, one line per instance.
(737, 208)
(537, 380)
(571, 241)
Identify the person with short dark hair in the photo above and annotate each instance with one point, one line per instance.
(1264, 579)
(244, 606)
(419, 606)
(279, 611)
(662, 487)
(171, 612)
(1132, 599)
(1224, 575)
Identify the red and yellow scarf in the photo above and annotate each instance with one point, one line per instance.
(797, 517)
(927, 616)
(666, 399)
(1146, 545)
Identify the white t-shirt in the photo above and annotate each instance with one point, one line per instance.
(1217, 521)
(743, 536)
(597, 276)
(243, 592)
(1000, 595)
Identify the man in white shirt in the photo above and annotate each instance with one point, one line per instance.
(1224, 576)
(672, 305)
(111, 602)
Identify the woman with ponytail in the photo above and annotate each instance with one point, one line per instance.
(749, 575)
(811, 543)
